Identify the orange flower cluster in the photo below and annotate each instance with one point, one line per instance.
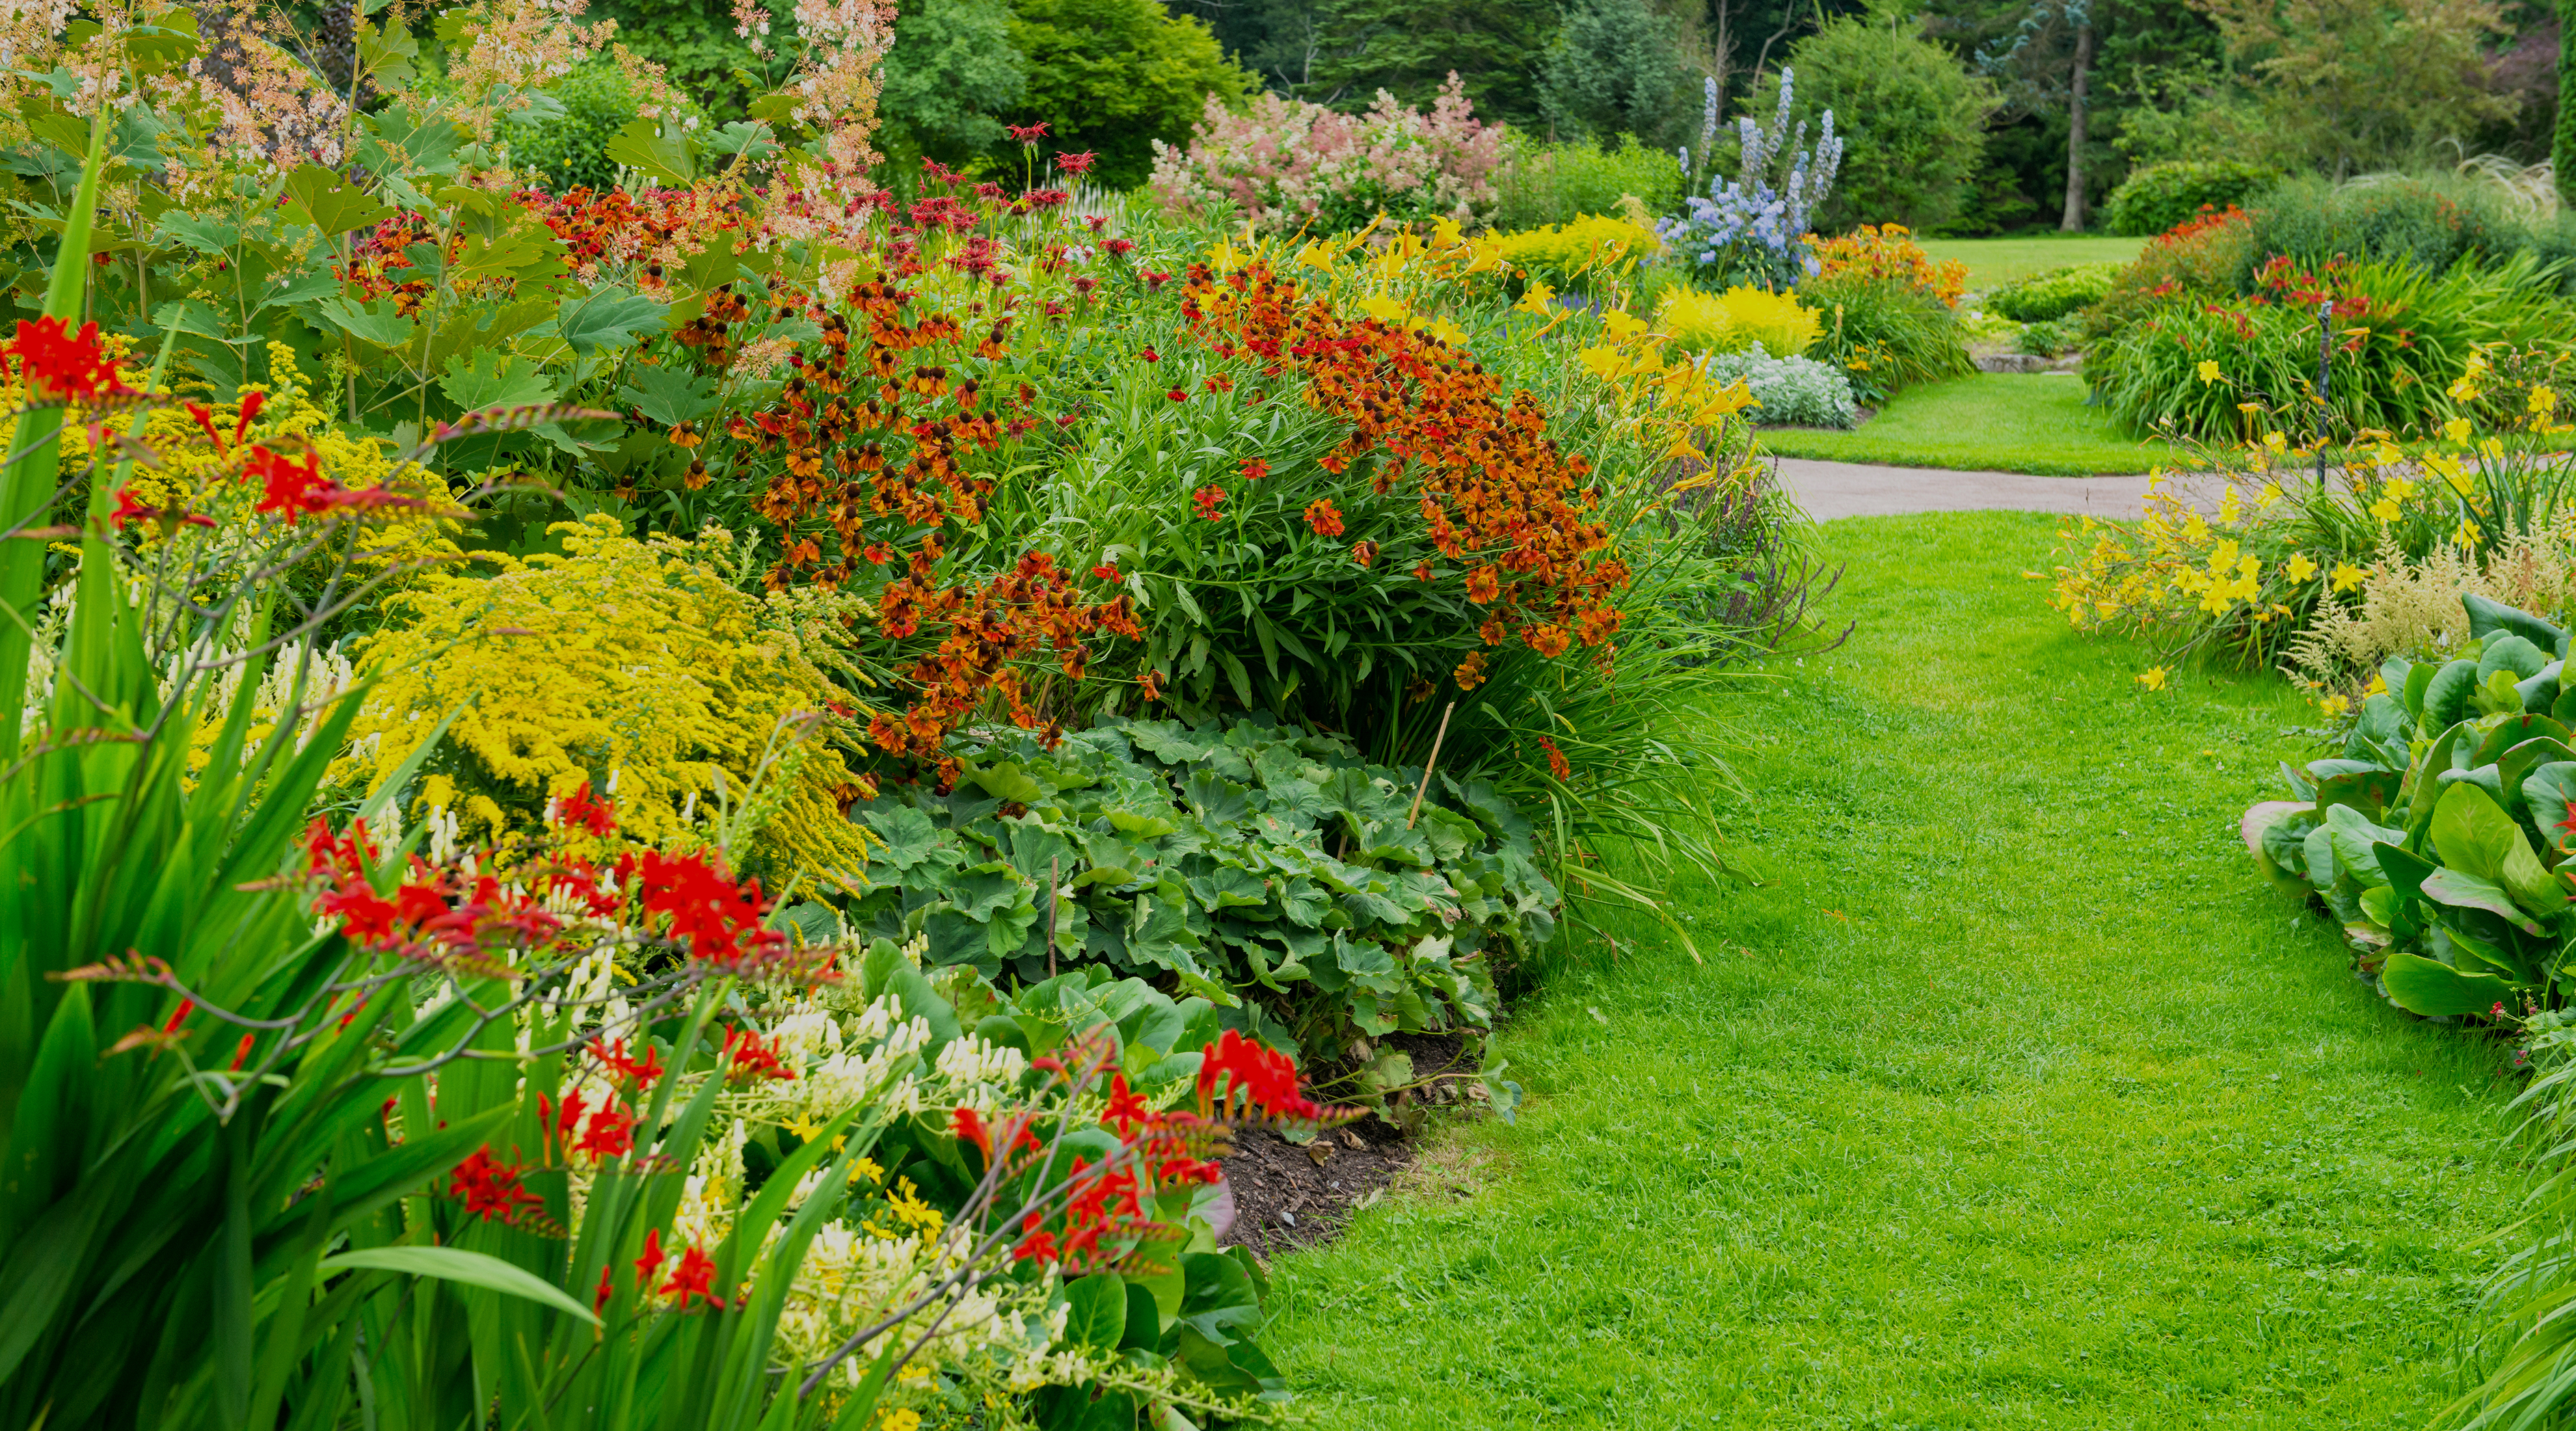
(1889, 251)
(987, 631)
(619, 227)
(1498, 497)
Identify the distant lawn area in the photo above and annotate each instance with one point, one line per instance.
(1996, 422)
(1994, 261)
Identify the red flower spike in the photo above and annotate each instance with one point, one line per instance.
(966, 1123)
(607, 1289)
(694, 1277)
(61, 365)
(1126, 1111)
(651, 1259)
(580, 810)
(490, 1189)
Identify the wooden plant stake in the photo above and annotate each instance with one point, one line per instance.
(1052, 886)
(1425, 787)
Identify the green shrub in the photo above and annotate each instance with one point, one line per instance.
(1112, 77)
(2433, 221)
(2394, 357)
(2043, 297)
(2159, 196)
(1913, 122)
(571, 151)
(2198, 257)
(1546, 184)
(1262, 867)
(1885, 333)
(2047, 338)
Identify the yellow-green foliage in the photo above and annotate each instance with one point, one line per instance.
(1735, 320)
(641, 658)
(1565, 254)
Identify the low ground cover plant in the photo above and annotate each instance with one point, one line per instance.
(1791, 391)
(2046, 297)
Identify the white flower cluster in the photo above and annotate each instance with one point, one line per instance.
(1792, 392)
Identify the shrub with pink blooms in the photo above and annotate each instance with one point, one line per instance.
(1287, 164)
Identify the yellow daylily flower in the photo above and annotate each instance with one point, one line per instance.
(2208, 371)
(2347, 576)
(2300, 568)
(2457, 429)
(1536, 300)
(2153, 678)
(2466, 536)
(2385, 510)
(1622, 324)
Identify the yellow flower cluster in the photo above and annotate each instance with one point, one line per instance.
(634, 662)
(1566, 253)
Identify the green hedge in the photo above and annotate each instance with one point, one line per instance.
(2160, 196)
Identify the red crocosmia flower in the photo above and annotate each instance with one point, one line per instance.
(642, 1075)
(1075, 163)
(611, 1133)
(749, 1055)
(1324, 517)
(580, 809)
(1107, 571)
(1236, 1071)
(607, 1289)
(61, 365)
(694, 1278)
(129, 510)
(1026, 133)
(1178, 395)
(1126, 1111)
(966, 1123)
(1254, 469)
(289, 488)
(1207, 499)
(1038, 1246)
(651, 1259)
(489, 1188)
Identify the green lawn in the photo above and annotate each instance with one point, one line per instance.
(2008, 1098)
(1993, 261)
(2001, 422)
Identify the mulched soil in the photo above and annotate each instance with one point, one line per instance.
(1289, 1196)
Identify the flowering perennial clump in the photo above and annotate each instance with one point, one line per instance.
(1496, 495)
(1287, 164)
(1750, 228)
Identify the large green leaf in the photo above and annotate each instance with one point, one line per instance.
(322, 198)
(2487, 617)
(1096, 1311)
(2461, 890)
(606, 320)
(2421, 986)
(2446, 695)
(2472, 832)
(455, 1264)
(507, 382)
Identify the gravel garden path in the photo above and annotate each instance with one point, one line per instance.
(1999, 1094)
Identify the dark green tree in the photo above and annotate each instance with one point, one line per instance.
(1113, 76)
(949, 77)
(1912, 119)
(2562, 136)
(1410, 47)
(1617, 68)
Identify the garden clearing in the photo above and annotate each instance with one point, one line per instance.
(2009, 1097)
(1993, 262)
(2000, 422)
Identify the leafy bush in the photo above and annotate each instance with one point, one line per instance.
(1738, 319)
(1750, 228)
(1541, 183)
(2283, 564)
(1286, 164)
(1120, 78)
(1616, 67)
(2047, 339)
(1886, 334)
(2437, 838)
(1580, 254)
(1888, 251)
(571, 149)
(2045, 297)
(2434, 221)
(1793, 392)
(1268, 870)
(2403, 336)
(2158, 197)
(1912, 115)
(2197, 258)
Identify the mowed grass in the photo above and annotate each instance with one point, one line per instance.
(2010, 1097)
(1994, 261)
(1998, 422)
